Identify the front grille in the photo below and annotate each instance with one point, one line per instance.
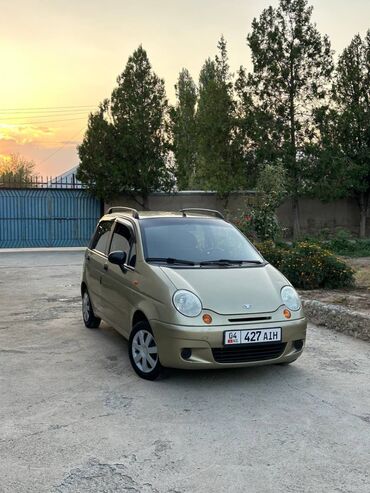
(248, 319)
(248, 352)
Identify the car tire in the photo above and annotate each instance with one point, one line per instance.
(143, 352)
(90, 320)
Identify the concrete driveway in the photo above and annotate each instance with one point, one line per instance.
(75, 418)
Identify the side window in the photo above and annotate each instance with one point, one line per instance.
(122, 240)
(100, 240)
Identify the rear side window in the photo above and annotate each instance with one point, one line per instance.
(100, 240)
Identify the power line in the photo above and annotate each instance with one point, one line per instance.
(47, 108)
(19, 114)
(50, 115)
(44, 122)
(61, 147)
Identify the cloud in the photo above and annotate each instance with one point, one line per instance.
(50, 148)
(24, 134)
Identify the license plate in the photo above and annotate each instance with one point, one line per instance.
(252, 336)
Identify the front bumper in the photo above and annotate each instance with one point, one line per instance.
(172, 339)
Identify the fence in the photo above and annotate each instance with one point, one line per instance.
(14, 181)
(59, 212)
(41, 213)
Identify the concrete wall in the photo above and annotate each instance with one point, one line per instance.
(315, 215)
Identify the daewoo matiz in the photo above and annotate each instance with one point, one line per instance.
(188, 290)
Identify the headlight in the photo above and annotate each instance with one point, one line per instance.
(290, 298)
(187, 303)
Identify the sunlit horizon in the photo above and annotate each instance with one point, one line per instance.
(61, 59)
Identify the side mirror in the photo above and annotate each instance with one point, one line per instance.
(117, 258)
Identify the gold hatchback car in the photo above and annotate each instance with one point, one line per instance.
(188, 290)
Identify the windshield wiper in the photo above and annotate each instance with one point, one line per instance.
(170, 260)
(224, 261)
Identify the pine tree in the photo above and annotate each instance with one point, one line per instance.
(125, 147)
(292, 65)
(341, 152)
(184, 130)
(352, 95)
(220, 163)
(98, 167)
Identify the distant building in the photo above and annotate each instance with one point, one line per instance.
(66, 179)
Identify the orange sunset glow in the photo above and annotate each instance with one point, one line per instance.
(59, 59)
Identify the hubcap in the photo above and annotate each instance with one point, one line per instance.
(86, 306)
(144, 351)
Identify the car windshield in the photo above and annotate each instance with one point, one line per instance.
(189, 241)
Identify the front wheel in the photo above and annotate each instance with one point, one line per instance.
(143, 352)
(90, 321)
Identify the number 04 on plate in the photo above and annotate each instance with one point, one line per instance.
(252, 336)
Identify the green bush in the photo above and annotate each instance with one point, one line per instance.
(308, 265)
(244, 222)
(258, 223)
(337, 273)
(266, 224)
(342, 243)
(272, 252)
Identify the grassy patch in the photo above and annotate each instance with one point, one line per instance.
(342, 243)
(350, 248)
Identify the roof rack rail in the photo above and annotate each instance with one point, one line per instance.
(202, 211)
(134, 212)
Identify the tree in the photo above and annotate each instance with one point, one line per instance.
(100, 169)
(292, 66)
(184, 130)
(352, 95)
(125, 147)
(16, 170)
(325, 171)
(271, 191)
(253, 126)
(340, 155)
(220, 163)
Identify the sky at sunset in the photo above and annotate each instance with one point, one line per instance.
(60, 58)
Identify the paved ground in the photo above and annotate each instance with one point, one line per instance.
(75, 418)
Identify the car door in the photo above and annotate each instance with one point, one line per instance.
(118, 283)
(96, 258)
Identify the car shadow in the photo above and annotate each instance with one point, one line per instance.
(224, 376)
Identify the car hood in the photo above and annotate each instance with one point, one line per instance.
(227, 290)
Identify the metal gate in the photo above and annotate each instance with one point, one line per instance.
(50, 217)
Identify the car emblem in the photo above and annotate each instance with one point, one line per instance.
(247, 306)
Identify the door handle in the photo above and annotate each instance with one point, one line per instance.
(105, 266)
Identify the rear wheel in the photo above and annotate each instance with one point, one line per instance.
(90, 321)
(143, 352)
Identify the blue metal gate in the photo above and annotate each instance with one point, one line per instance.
(50, 217)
